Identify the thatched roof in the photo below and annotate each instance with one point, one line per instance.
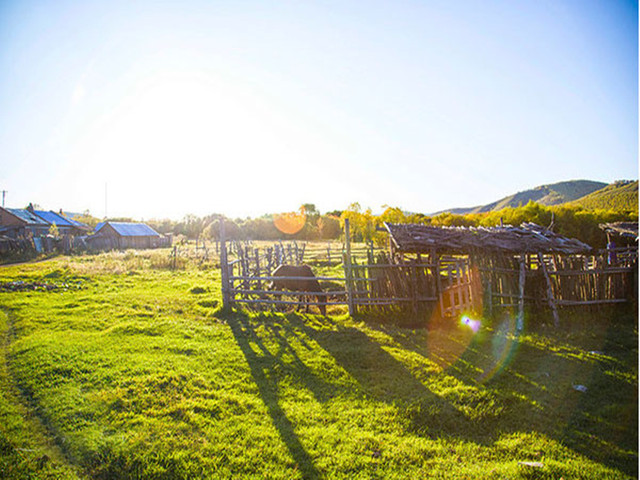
(624, 229)
(527, 238)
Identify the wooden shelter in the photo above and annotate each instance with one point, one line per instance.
(516, 265)
(451, 272)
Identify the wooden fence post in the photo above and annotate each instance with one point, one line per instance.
(347, 268)
(521, 281)
(550, 298)
(257, 271)
(224, 268)
(439, 291)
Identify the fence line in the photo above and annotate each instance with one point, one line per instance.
(452, 284)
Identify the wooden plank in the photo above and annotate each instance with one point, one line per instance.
(287, 292)
(490, 295)
(393, 301)
(392, 265)
(550, 297)
(590, 302)
(347, 268)
(592, 271)
(439, 291)
(285, 302)
(224, 268)
(246, 277)
(521, 281)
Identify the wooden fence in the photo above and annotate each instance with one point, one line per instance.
(374, 280)
(559, 280)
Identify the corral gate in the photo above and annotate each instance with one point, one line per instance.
(448, 284)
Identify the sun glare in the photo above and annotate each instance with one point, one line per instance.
(192, 132)
(290, 223)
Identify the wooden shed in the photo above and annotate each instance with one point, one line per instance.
(125, 235)
(513, 266)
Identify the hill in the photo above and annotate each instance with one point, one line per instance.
(619, 196)
(552, 194)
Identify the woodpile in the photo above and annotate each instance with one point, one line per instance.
(527, 238)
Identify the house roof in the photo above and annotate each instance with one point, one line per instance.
(527, 238)
(126, 229)
(26, 216)
(52, 217)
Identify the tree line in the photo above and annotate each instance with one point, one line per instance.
(307, 223)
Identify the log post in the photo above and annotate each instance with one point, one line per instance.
(490, 294)
(521, 281)
(439, 292)
(414, 287)
(257, 272)
(550, 297)
(347, 268)
(224, 268)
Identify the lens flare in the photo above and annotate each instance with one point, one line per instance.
(474, 325)
(290, 223)
(505, 341)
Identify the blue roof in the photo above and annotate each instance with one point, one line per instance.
(27, 216)
(52, 217)
(130, 229)
(70, 219)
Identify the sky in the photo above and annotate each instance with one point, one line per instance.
(157, 109)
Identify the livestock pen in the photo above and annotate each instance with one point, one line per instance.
(447, 270)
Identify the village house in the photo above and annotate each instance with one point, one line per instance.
(19, 222)
(126, 235)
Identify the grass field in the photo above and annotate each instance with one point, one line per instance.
(123, 368)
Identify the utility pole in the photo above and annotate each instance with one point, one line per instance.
(4, 192)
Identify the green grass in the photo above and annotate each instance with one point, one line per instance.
(134, 371)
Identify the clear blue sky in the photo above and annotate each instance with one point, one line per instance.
(247, 108)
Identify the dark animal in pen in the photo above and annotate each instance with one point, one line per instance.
(309, 284)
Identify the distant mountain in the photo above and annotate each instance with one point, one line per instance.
(620, 196)
(553, 194)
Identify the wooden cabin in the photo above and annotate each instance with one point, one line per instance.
(125, 235)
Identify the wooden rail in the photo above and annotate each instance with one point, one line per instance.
(453, 283)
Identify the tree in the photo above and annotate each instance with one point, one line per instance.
(53, 230)
(329, 227)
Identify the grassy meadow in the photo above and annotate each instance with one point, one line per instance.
(124, 368)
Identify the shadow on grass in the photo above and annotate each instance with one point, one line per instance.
(261, 366)
(599, 422)
(378, 375)
(535, 387)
